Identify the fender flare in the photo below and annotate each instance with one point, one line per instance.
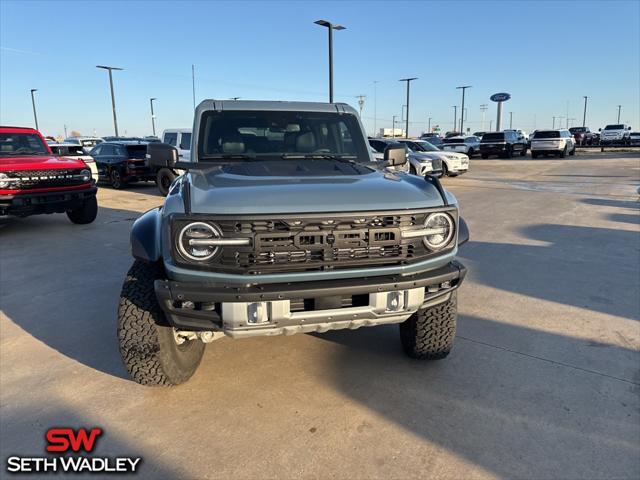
(145, 236)
(463, 231)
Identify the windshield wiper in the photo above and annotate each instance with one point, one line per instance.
(320, 156)
(229, 156)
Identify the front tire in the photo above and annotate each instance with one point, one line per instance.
(164, 179)
(147, 343)
(429, 333)
(87, 213)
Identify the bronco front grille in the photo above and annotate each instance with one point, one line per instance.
(298, 244)
(27, 179)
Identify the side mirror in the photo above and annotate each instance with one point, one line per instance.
(629, 128)
(599, 129)
(162, 155)
(395, 155)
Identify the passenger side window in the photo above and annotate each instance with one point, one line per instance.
(96, 151)
(378, 146)
(185, 141)
(120, 151)
(171, 139)
(107, 150)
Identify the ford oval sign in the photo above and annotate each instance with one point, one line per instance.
(500, 97)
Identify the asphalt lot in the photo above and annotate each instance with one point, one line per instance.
(543, 382)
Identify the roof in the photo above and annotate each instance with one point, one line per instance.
(125, 142)
(271, 105)
(9, 127)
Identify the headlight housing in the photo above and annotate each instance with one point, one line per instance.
(86, 174)
(4, 182)
(197, 241)
(439, 229)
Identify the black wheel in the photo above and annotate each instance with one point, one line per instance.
(470, 153)
(116, 179)
(573, 152)
(534, 154)
(429, 333)
(523, 152)
(149, 347)
(563, 153)
(86, 213)
(445, 169)
(164, 179)
(484, 156)
(508, 153)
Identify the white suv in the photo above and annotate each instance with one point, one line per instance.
(179, 138)
(619, 133)
(556, 142)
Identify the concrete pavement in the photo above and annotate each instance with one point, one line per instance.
(543, 382)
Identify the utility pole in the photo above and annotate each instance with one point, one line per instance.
(463, 88)
(393, 130)
(429, 127)
(483, 109)
(330, 27)
(554, 123)
(361, 103)
(619, 108)
(490, 125)
(65, 131)
(375, 106)
(455, 117)
(153, 117)
(510, 120)
(584, 115)
(408, 80)
(193, 84)
(113, 99)
(33, 102)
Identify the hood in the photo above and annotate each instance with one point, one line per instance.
(223, 192)
(39, 162)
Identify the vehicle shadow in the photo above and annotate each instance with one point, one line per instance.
(66, 295)
(509, 399)
(624, 218)
(23, 431)
(604, 202)
(568, 269)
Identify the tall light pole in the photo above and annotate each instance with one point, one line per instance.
(113, 99)
(375, 106)
(33, 102)
(330, 27)
(429, 127)
(483, 109)
(193, 84)
(584, 115)
(393, 130)
(455, 117)
(510, 120)
(153, 117)
(619, 108)
(463, 88)
(408, 80)
(554, 123)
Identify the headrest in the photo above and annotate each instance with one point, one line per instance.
(306, 142)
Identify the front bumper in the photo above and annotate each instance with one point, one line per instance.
(285, 309)
(24, 204)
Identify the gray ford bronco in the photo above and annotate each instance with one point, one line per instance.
(284, 223)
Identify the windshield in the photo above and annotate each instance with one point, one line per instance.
(67, 149)
(424, 146)
(614, 127)
(547, 134)
(21, 144)
(269, 135)
(577, 129)
(493, 136)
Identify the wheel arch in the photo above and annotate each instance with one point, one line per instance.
(145, 236)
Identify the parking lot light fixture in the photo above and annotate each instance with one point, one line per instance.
(113, 99)
(33, 103)
(408, 80)
(330, 27)
(584, 115)
(455, 117)
(510, 120)
(153, 117)
(619, 108)
(463, 88)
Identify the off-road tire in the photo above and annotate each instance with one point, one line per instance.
(87, 213)
(147, 343)
(164, 178)
(429, 333)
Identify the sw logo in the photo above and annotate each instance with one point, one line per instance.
(66, 442)
(65, 439)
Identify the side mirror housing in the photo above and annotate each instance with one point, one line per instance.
(629, 128)
(162, 155)
(395, 155)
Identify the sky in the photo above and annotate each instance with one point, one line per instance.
(546, 54)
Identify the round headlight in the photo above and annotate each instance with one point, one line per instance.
(440, 228)
(3, 180)
(193, 241)
(86, 174)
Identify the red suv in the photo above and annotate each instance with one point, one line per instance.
(33, 180)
